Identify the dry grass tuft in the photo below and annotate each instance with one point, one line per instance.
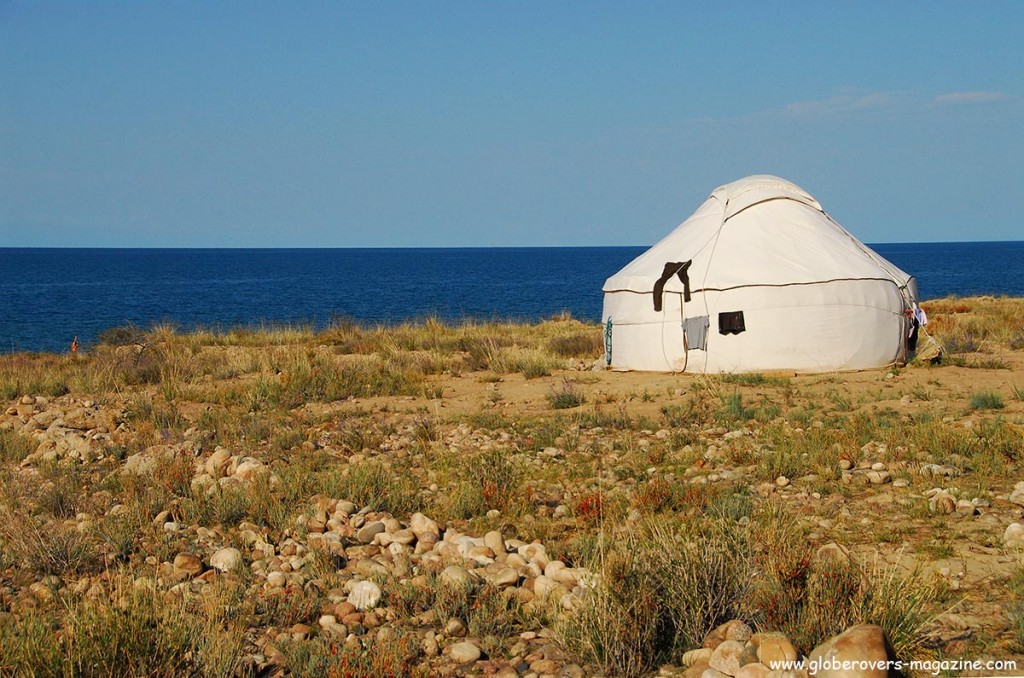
(660, 590)
(811, 600)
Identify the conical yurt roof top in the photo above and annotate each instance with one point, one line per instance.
(757, 231)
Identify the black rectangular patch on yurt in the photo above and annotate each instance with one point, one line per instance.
(731, 322)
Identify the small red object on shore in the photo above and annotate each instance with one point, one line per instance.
(74, 345)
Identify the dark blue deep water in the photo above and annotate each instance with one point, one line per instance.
(47, 296)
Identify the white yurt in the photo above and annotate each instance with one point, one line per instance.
(759, 279)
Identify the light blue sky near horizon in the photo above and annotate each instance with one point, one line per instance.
(188, 124)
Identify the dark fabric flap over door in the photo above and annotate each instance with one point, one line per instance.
(672, 268)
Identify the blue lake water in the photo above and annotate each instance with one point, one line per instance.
(47, 296)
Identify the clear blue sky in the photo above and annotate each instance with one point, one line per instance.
(399, 124)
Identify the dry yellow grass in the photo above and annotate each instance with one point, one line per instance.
(463, 423)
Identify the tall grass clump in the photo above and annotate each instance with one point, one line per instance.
(578, 345)
(60, 495)
(811, 599)
(380, 486)
(734, 410)
(47, 547)
(135, 635)
(531, 362)
(1016, 615)
(661, 590)
(753, 379)
(785, 459)
(14, 447)
(500, 475)
(320, 378)
(789, 592)
(45, 375)
(900, 604)
(696, 412)
(1015, 610)
(566, 397)
(977, 324)
(140, 635)
(306, 375)
(492, 479)
(986, 400)
(396, 655)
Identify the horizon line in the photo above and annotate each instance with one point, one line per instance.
(425, 247)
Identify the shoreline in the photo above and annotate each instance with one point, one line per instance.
(268, 333)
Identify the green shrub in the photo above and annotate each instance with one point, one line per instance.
(968, 342)
(316, 378)
(784, 461)
(143, 636)
(229, 505)
(986, 400)
(488, 480)
(381, 487)
(753, 379)
(566, 397)
(117, 534)
(733, 411)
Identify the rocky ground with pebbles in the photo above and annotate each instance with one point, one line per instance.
(493, 522)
